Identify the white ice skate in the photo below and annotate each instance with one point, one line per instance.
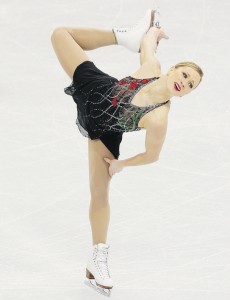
(97, 272)
(131, 37)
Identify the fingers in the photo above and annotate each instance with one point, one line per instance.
(165, 36)
(160, 33)
(107, 160)
(111, 173)
(110, 169)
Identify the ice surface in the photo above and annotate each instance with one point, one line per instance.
(169, 233)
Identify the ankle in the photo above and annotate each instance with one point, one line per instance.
(98, 241)
(115, 39)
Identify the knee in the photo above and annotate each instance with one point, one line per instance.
(99, 196)
(57, 33)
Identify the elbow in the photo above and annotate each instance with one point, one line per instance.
(153, 158)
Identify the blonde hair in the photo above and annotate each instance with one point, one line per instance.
(190, 65)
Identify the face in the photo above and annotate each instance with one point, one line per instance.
(182, 80)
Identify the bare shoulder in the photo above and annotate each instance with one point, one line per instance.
(147, 70)
(157, 117)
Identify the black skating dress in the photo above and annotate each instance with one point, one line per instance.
(104, 108)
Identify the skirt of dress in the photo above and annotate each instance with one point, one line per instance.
(89, 85)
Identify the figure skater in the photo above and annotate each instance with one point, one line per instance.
(108, 107)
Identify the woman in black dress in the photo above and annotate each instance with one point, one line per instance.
(108, 107)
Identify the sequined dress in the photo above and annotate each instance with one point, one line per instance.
(104, 104)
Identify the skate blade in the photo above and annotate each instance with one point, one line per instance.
(91, 284)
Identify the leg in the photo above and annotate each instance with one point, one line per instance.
(99, 211)
(70, 43)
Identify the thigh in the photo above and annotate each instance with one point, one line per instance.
(69, 53)
(98, 169)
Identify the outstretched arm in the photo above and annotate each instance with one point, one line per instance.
(150, 65)
(155, 135)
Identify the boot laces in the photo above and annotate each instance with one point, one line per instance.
(102, 256)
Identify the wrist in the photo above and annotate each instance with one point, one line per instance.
(122, 164)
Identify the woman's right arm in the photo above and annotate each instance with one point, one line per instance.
(149, 45)
(150, 65)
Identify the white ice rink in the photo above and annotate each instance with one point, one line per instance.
(169, 233)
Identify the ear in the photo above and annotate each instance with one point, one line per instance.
(170, 70)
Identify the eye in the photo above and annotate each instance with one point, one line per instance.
(190, 85)
(185, 75)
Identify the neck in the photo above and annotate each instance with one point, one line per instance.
(159, 90)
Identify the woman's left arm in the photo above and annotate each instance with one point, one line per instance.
(156, 130)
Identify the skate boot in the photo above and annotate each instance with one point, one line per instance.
(131, 37)
(97, 272)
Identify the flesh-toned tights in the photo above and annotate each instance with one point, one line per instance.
(69, 45)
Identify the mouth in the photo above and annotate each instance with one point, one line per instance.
(177, 87)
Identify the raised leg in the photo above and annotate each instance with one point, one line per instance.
(70, 43)
(99, 211)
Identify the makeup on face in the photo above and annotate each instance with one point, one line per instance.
(184, 80)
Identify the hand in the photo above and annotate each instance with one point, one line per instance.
(115, 166)
(157, 33)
